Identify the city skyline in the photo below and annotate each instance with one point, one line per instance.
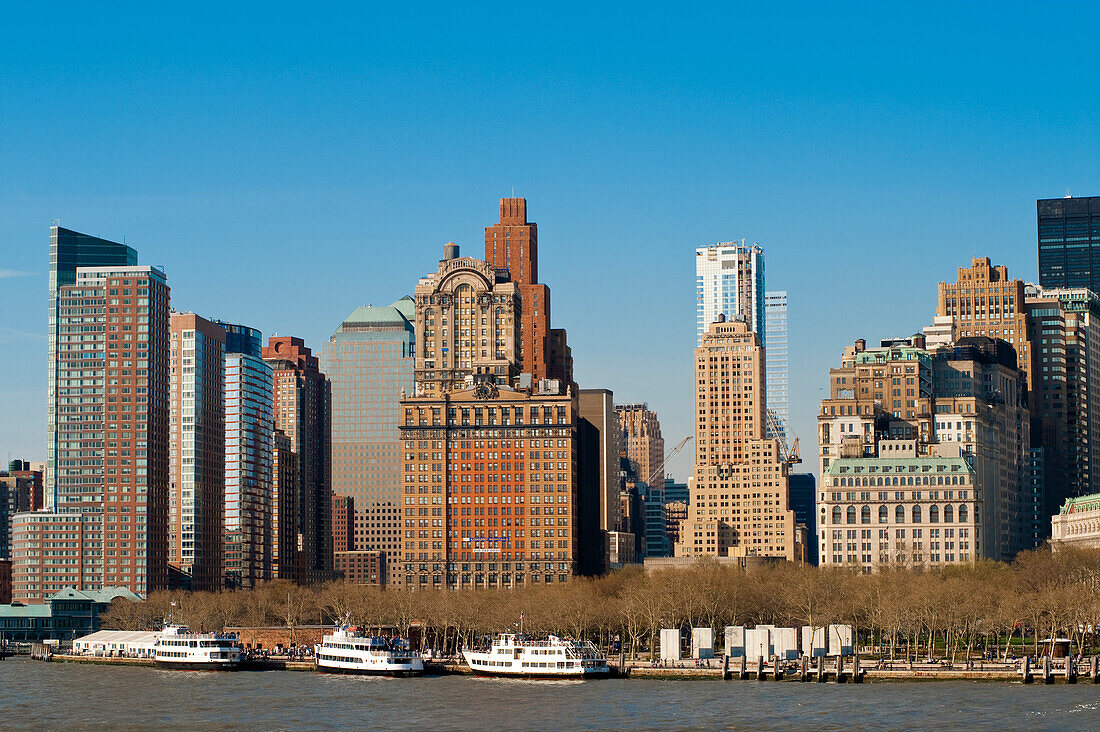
(827, 144)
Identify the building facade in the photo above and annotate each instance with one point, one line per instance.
(1069, 242)
(108, 441)
(303, 412)
(729, 281)
(1077, 524)
(369, 362)
(196, 500)
(776, 365)
(249, 504)
(285, 490)
(739, 502)
(599, 460)
(641, 442)
(343, 523)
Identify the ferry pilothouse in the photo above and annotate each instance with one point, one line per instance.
(348, 651)
(515, 655)
(176, 647)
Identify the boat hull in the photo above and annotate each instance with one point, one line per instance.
(535, 675)
(395, 673)
(197, 666)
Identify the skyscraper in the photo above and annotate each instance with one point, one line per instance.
(490, 454)
(642, 443)
(739, 498)
(68, 251)
(1069, 242)
(776, 369)
(249, 522)
(729, 281)
(303, 411)
(196, 501)
(369, 361)
(109, 438)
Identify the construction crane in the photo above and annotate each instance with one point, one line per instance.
(671, 454)
(789, 455)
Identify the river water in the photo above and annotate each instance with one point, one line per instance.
(36, 695)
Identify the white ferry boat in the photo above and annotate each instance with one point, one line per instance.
(176, 647)
(347, 651)
(553, 658)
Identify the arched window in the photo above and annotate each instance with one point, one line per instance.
(899, 515)
(851, 514)
(865, 515)
(962, 513)
(948, 514)
(916, 514)
(836, 514)
(883, 515)
(934, 514)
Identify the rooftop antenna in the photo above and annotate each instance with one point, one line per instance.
(1067, 193)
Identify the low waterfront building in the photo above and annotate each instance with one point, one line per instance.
(1078, 523)
(124, 643)
(63, 616)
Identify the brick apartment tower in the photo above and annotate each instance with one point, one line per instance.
(196, 501)
(513, 244)
(303, 412)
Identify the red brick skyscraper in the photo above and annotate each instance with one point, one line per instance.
(303, 412)
(513, 244)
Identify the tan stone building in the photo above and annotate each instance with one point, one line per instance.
(739, 500)
(196, 427)
(1077, 523)
(642, 442)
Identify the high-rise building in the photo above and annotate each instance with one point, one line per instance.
(924, 454)
(490, 493)
(16, 496)
(343, 523)
(739, 497)
(803, 489)
(108, 442)
(249, 518)
(1069, 242)
(729, 281)
(776, 367)
(70, 250)
(286, 478)
(642, 443)
(598, 454)
(196, 499)
(369, 361)
(303, 412)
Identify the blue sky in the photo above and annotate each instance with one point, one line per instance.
(287, 163)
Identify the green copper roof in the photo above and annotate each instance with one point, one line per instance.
(1090, 502)
(399, 313)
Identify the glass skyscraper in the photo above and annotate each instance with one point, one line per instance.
(249, 435)
(1069, 242)
(369, 361)
(776, 368)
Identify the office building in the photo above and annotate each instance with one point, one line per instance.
(365, 567)
(286, 488)
(803, 490)
(739, 498)
(776, 367)
(17, 494)
(490, 467)
(196, 498)
(1077, 523)
(1069, 242)
(598, 453)
(642, 443)
(912, 436)
(249, 507)
(303, 412)
(108, 442)
(729, 281)
(369, 362)
(343, 523)
(676, 498)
